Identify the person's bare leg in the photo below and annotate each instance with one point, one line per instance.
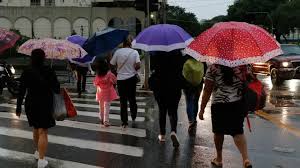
(43, 142)
(241, 144)
(35, 138)
(219, 139)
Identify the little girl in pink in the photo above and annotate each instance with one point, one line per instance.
(104, 82)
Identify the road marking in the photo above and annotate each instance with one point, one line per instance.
(278, 123)
(139, 110)
(94, 100)
(93, 94)
(16, 155)
(86, 113)
(111, 116)
(86, 126)
(74, 142)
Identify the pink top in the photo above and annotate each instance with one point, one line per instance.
(105, 87)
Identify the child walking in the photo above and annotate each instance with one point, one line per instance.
(104, 82)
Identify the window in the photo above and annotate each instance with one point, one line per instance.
(49, 2)
(35, 2)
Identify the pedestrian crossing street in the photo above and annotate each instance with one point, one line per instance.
(78, 142)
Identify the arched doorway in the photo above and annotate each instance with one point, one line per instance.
(24, 25)
(42, 28)
(5, 23)
(62, 28)
(116, 23)
(81, 27)
(98, 25)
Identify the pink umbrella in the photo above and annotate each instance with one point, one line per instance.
(7, 39)
(233, 44)
(54, 49)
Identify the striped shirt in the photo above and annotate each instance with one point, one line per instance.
(222, 92)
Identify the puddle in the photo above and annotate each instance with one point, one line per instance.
(284, 149)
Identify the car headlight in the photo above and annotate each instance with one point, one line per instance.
(12, 70)
(285, 64)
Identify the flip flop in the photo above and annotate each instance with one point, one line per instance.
(216, 163)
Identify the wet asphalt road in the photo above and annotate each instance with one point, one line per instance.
(273, 142)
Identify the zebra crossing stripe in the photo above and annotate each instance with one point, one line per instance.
(93, 94)
(111, 116)
(139, 110)
(74, 142)
(86, 113)
(86, 126)
(26, 157)
(94, 100)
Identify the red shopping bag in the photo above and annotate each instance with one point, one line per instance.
(71, 110)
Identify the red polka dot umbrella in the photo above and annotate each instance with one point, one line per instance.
(233, 44)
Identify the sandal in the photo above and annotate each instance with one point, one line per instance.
(106, 124)
(216, 163)
(247, 164)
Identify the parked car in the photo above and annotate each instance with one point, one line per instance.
(283, 67)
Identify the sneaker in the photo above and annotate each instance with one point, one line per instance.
(42, 163)
(161, 138)
(36, 155)
(192, 128)
(174, 139)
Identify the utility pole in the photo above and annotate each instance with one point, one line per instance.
(81, 29)
(147, 56)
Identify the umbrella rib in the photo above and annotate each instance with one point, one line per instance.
(211, 40)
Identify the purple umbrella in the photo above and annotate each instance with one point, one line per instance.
(162, 37)
(76, 39)
(83, 61)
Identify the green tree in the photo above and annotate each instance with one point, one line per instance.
(267, 13)
(188, 21)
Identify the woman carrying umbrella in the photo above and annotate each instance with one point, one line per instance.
(165, 41)
(229, 47)
(39, 82)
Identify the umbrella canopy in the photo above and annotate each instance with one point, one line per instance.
(83, 61)
(162, 37)
(54, 49)
(77, 39)
(234, 43)
(7, 39)
(105, 40)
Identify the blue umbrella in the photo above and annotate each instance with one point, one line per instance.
(105, 40)
(162, 37)
(88, 59)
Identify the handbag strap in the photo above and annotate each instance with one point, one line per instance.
(122, 65)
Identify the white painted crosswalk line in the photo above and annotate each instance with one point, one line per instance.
(93, 94)
(26, 157)
(84, 144)
(94, 100)
(111, 116)
(86, 126)
(139, 110)
(86, 113)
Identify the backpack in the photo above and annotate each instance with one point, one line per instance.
(254, 95)
(193, 71)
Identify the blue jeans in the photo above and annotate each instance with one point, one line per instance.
(192, 95)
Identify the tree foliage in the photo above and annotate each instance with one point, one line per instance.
(188, 21)
(281, 15)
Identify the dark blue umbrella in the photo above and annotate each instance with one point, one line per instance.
(105, 40)
(83, 61)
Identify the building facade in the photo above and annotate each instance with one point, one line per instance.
(60, 18)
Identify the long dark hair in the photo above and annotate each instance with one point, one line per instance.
(228, 74)
(37, 58)
(102, 67)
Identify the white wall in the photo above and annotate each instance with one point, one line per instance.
(98, 25)
(5, 23)
(81, 23)
(42, 28)
(62, 28)
(24, 25)
(15, 3)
